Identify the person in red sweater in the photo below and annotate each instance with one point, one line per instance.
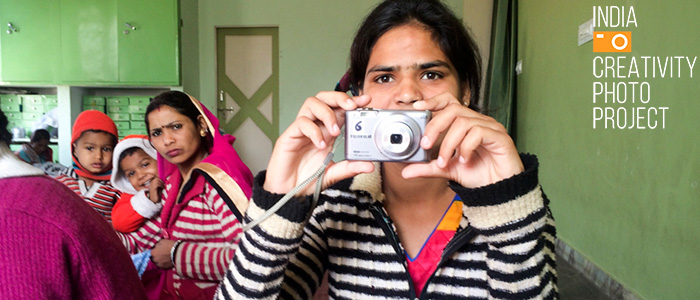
(136, 176)
(54, 245)
(207, 188)
(92, 142)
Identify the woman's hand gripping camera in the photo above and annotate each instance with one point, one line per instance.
(301, 149)
(473, 149)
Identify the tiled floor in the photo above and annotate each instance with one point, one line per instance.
(574, 286)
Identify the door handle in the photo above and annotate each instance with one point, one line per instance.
(11, 28)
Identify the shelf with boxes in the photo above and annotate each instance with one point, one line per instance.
(127, 112)
(24, 111)
(125, 105)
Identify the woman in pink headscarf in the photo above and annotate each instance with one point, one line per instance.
(207, 188)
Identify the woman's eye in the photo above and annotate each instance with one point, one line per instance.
(383, 79)
(431, 76)
(177, 126)
(155, 133)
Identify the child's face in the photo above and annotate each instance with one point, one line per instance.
(94, 151)
(139, 169)
(40, 146)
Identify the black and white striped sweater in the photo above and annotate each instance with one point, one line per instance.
(503, 248)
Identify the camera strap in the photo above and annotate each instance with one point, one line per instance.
(318, 176)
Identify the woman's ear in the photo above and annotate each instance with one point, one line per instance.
(466, 95)
(202, 123)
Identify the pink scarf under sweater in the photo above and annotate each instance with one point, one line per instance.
(222, 155)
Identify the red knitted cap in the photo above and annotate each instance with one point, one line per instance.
(93, 120)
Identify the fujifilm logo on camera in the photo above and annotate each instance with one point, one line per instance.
(385, 135)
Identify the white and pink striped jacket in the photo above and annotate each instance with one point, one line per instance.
(205, 224)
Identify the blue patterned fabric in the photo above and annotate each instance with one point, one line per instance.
(141, 261)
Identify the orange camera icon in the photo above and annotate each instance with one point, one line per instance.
(612, 41)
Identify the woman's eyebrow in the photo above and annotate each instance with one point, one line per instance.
(171, 124)
(433, 64)
(417, 66)
(383, 69)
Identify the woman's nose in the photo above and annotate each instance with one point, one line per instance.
(167, 138)
(408, 92)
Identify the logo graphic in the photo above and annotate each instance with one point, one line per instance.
(612, 41)
(358, 127)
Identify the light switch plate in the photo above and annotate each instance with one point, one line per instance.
(585, 32)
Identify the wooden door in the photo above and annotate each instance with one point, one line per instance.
(248, 90)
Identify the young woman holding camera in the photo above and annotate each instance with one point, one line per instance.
(471, 223)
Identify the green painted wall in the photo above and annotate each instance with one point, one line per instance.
(627, 199)
(314, 39)
(189, 46)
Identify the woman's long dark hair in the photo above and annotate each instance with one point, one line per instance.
(5, 135)
(446, 30)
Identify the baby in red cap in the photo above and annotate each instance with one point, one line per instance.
(92, 144)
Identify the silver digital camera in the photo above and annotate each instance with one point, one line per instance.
(385, 135)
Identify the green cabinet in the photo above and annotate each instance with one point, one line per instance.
(10, 103)
(148, 51)
(124, 41)
(50, 102)
(90, 42)
(94, 102)
(118, 101)
(29, 41)
(128, 113)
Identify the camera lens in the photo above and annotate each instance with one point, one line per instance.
(397, 135)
